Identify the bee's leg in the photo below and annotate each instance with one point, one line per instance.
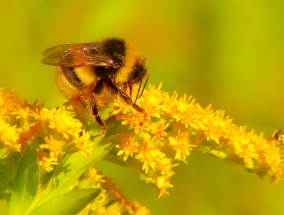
(124, 89)
(123, 95)
(97, 116)
(97, 89)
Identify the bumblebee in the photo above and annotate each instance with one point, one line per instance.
(95, 72)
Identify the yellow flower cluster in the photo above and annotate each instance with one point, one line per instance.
(55, 133)
(175, 126)
(151, 145)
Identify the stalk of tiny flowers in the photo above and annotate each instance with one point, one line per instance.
(173, 127)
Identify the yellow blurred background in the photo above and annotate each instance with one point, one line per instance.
(227, 53)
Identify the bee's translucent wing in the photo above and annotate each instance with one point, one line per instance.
(74, 55)
(55, 55)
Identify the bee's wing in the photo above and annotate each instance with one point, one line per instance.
(54, 55)
(72, 55)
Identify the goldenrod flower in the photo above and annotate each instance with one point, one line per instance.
(181, 145)
(175, 126)
(67, 147)
(9, 136)
(57, 138)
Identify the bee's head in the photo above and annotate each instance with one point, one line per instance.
(116, 50)
(137, 74)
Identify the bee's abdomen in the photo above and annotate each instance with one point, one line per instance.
(72, 77)
(68, 83)
(79, 77)
(73, 80)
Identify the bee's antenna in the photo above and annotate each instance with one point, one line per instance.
(138, 91)
(143, 86)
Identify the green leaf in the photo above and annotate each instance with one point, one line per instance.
(8, 169)
(74, 166)
(26, 183)
(68, 203)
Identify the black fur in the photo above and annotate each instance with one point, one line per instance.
(116, 49)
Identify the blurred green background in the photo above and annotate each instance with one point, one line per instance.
(228, 53)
